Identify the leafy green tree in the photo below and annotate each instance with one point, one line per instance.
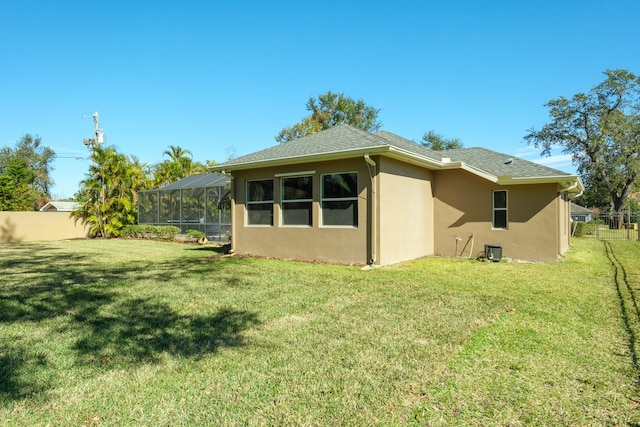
(332, 109)
(601, 131)
(35, 157)
(437, 142)
(16, 193)
(595, 194)
(108, 196)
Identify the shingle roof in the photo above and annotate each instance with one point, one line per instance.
(499, 164)
(345, 140)
(335, 139)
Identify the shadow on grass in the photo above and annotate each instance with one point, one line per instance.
(46, 288)
(217, 249)
(628, 306)
(141, 330)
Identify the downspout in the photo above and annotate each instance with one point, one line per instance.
(371, 166)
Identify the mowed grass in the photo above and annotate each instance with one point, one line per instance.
(122, 332)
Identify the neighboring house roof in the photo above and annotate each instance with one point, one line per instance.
(58, 206)
(345, 141)
(580, 210)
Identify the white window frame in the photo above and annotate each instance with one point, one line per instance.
(338, 199)
(249, 202)
(494, 209)
(284, 201)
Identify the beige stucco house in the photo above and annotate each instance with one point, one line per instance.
(344, 195)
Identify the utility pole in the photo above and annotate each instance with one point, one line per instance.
(98, 134)
(92, 143)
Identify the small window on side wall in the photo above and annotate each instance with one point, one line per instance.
(260, 202)
(499, 215)
(297, 200)
(339, 199)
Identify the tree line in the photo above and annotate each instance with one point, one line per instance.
(25, 183)
(107, 197)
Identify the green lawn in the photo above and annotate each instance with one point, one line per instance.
(122, 332)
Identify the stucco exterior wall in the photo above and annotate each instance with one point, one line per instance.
(405, 212)
(348, 245)
(33, 226)
(463, 207)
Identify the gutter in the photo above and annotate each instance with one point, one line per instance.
(572, 186)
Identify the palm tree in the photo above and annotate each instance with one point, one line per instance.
(181, 159)
(179, 165)
(108, 195)
(176, 153)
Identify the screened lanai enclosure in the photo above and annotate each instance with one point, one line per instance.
(197, 202)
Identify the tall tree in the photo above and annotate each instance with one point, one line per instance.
(177, 153)
(332, 109)
(35, 157)
(16, 193)
(437, 142)
(601, 131)
(179, 165)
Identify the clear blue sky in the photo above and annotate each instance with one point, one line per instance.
(215, 77)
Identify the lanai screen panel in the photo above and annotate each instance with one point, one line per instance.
(198, 202)
(148, 207)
